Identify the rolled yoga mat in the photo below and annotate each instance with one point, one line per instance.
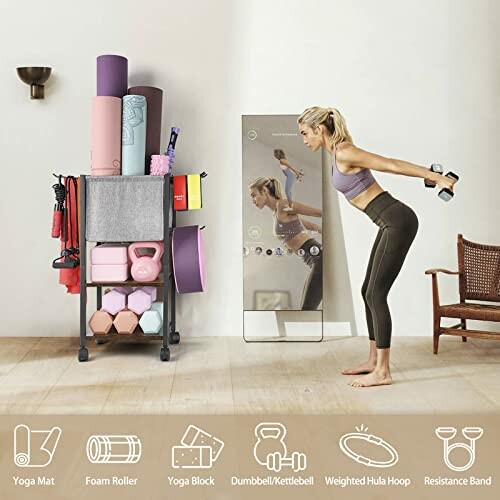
(106, 135)
(188, 259)
(112, 75)
(134, 113)
(154, 97)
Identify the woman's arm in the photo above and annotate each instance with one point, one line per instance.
(303, 209)
(310, 225)
(356, 157)
(287, 164)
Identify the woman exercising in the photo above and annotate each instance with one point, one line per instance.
(292, 230)
(291, 174)
(352, 176)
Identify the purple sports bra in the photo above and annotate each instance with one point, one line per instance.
(350, 185)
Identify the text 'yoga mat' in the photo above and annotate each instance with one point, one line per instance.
(112, 75)
(106, 135)
(134, 115)
(154, 98)
(188, 259)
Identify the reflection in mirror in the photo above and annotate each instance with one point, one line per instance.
(282, 220)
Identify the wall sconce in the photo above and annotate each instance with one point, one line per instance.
(35, 76)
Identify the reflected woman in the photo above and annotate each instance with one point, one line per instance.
(291, 174)
(293, 231)
(352, 176)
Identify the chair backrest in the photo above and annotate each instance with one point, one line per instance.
(479, 267)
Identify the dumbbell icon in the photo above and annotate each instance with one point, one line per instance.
(445, 194)
(270, 449)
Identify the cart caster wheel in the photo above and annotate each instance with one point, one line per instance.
(174, 338)
(165, 354)
(83, 354)
(100, 341)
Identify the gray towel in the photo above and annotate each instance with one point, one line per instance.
(124, 208)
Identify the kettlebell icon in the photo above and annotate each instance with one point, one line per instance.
(270, 449)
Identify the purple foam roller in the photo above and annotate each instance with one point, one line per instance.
(112, 75)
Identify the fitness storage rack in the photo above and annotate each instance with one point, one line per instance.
(169, 334)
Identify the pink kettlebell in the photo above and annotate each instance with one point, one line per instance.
(145, 267)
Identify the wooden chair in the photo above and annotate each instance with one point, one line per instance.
(478, 279)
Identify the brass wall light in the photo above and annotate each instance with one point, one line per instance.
(35, 76)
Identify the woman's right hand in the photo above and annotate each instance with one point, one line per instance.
(445, 182)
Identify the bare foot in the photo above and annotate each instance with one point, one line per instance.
(366, 367)
(372, 379)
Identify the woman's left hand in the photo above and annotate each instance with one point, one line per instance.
(445, 182)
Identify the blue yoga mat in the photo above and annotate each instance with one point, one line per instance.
(134, 111)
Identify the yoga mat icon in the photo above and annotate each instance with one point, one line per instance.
(134, 115)
(35, 448)
(114, 449)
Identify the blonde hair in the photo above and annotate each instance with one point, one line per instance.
(331, 118)
(279, 154)
(272, 185)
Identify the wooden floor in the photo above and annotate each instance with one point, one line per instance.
(224, 375)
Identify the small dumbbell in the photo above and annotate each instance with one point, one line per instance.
(445, 193)
(276, 461)
(436, 168)
(126, 322)
(100, 323)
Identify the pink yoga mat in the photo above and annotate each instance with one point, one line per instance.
(106, 135)
(154, 99)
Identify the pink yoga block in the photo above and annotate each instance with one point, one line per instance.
(106, 135)
(107, 273)
(114, 302)
(109, 254)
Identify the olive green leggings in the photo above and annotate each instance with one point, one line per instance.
(398, 227)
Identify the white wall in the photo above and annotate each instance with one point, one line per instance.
(416, 80)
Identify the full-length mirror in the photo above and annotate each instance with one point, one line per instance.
(282, 231)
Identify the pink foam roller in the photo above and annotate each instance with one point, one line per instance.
(106, 135)
(160, 165)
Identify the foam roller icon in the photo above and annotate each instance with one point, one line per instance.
(114, 449)
(27, 451)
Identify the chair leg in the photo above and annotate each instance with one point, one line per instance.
(464, 327)
(437, 327)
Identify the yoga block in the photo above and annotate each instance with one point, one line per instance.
(114, 302)
(107, 273)
(150, 322)
(126, 322)
(100, 323)
(194, 457)
(109, 254)
(139, 301)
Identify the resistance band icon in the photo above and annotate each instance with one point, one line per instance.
(369, 438)
(446, 434)
(114, 449)
(29, 452)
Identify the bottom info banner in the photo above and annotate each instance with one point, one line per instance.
(243, 457)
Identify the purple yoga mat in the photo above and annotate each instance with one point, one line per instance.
(154, 99)
(188, 259)
(112, 75)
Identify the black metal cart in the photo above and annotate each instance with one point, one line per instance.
(169, 333)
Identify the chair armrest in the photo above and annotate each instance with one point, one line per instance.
(439, 270)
